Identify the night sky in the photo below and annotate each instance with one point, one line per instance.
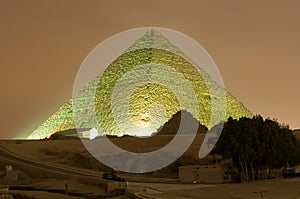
(255, 44)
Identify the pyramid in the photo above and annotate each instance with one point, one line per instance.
(151, 57)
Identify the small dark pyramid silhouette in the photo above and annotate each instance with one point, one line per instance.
(171, 127)
(164, 135)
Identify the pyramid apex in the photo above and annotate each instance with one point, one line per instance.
(153, 39)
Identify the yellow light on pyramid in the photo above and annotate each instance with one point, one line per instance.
(150, 105)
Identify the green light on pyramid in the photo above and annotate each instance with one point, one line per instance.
(146, 103)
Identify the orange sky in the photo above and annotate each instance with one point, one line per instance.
(256, 45)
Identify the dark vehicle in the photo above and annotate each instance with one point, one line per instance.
(114, 177)
(291, 172)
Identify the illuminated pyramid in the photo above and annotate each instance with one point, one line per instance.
(144, 57)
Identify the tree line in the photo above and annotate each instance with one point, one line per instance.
(257, 146)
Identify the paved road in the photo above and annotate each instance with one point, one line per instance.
(152, 190)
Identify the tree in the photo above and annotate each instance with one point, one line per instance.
(257, 146)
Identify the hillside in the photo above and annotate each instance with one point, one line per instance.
(63, 149)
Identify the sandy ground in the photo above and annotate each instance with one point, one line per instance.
(36, 148)
(276, 189)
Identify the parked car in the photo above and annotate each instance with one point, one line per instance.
(114, 177)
